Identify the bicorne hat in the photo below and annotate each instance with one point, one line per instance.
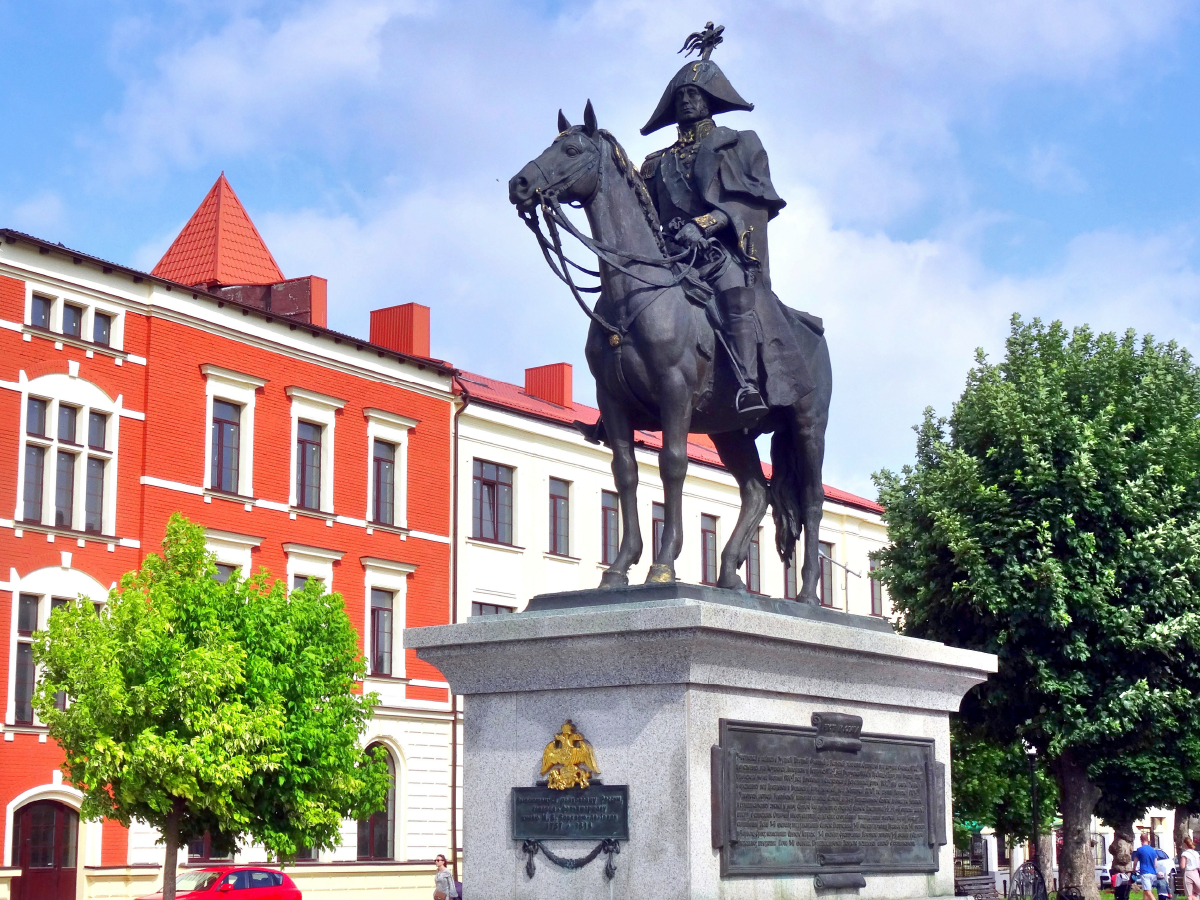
(708, 77)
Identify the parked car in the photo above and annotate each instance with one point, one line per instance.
(236, 882)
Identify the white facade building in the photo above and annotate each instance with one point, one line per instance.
(532, 506)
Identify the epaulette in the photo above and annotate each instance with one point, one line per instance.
(650, 166)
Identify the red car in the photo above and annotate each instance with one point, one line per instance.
(234, 882)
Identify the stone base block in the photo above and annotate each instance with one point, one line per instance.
(647, 684)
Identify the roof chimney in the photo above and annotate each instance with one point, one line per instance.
(551, 383)
(403, 328)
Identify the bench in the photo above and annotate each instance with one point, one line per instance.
(981, 887)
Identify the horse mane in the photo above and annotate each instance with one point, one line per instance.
(634, 178)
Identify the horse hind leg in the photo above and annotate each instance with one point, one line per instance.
(809, 435)
(740, 456)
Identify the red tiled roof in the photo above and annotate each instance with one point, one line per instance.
(701, 449)
(219, 245)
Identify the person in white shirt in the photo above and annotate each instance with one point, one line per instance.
(1190, 865)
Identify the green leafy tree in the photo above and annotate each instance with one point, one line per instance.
(1052, 520)
(990, 787)
(233, 709)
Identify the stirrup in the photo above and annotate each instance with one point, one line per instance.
(749, 400)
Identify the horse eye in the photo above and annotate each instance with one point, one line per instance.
(572, 151)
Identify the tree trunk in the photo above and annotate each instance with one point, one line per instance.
(1078, 798)
(1182, 817)
(171, 863)
(1045, 857)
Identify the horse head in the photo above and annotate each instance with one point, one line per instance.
(569, 168)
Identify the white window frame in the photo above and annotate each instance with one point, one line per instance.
(311, 562)
(46, 584)
(387, 575)
(232, 549)
(57, 388)
(232, 387)
(393, 429)
(320, 409)
(90, 306)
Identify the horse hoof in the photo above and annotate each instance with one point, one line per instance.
(660, 574)
(732, 584)
(612, 578)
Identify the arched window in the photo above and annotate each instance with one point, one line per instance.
(377, 833)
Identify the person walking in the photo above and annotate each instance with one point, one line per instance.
(1190, 863)
(443, 881)
(1147, 857)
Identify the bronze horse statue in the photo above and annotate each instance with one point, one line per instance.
(660, 365)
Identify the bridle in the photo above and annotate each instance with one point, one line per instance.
(561, 265)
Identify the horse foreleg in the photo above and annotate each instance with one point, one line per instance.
(740, 456)
(625, 476)
(676, 415)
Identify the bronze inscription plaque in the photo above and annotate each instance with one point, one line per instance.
(826, 799)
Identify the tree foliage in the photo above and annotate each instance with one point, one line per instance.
(233, 709)
(990, 786)
(1052, 520)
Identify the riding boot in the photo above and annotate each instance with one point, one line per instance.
(743, 331)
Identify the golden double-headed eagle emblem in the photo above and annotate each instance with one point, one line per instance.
(568, 760)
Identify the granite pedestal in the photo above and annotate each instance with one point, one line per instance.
(648, 684)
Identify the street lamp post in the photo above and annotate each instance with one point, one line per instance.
(1031, 755)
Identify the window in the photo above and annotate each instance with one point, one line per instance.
(60, 698)
(200, 849)
(27, 623)
(876, 590)
(610, 527)
(306, 854)
(658, 521)
(97, 430)
(224, 572)
(387, 466)
(72, 321)
(102, 328)
(381, 632)
(67, 417)
(384, 470)
(708, 549)
(66, 481)
(376, 832)
(93, 511)
(39, 312)
(308, 465)
(226, 446)
(1098, 848)
(789, 577)
(490, 609)
(64, 490)
(300, 582)
(491, 502)
(825, 588)
(35, 466)
(35, 417)
(560, 515)
(754, 565)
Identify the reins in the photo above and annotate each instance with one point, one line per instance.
(552, 249)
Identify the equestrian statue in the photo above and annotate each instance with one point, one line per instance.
(686, 334)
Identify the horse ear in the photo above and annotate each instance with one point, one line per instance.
(563, 124)
(589, 120)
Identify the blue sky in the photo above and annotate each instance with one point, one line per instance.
(946, 162)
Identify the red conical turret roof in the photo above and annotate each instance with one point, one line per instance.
(219, 246)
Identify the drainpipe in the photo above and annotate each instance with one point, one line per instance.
(466, 401)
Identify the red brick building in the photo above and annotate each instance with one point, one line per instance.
(212, 386)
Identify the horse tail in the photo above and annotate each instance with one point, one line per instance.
(785, 490)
